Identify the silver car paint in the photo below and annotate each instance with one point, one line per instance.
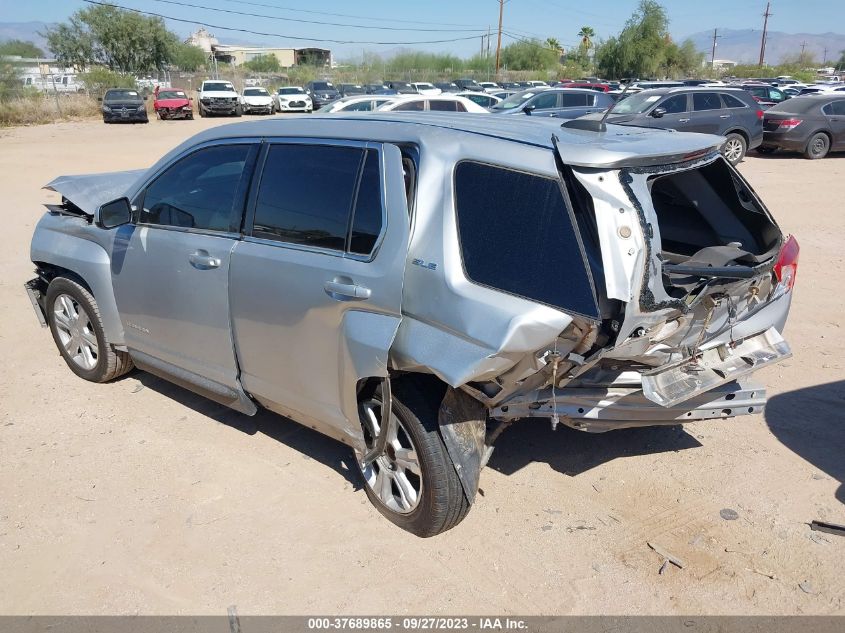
(439, 331)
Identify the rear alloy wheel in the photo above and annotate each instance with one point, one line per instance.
(408, 474)
(734, 148)
(818, 146)
(77, 329)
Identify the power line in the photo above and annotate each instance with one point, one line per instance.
(279, 35)
(321, 23)
(341, 15)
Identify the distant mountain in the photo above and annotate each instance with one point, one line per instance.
(27, 31)
(744, 45)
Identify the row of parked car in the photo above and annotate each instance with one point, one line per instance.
(813, 123)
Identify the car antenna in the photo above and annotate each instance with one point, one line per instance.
(591, 125)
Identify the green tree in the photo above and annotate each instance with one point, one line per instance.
(20, 48)
(99, 79)
(187, 57)
(554, 44)
(123, 41)
(263, 64)
(640, 50)
(529, 55)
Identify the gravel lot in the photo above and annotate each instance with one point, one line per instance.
(139, 497)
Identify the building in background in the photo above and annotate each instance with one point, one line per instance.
(238, 55)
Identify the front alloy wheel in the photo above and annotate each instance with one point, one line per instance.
(75, 332)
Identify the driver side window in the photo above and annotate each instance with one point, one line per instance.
(204, 191)
(675, 105)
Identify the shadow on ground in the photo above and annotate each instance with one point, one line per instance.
(567, 451)
(573, 452)
(285, 431)
(811, 423)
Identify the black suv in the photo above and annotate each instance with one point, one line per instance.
(321, 93)
(729, 112)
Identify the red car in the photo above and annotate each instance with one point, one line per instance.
(591, 86)
(172, 103)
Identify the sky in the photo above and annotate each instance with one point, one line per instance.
(454, 26)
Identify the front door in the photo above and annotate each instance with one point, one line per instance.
(676, 114)
(170, 268)
(316, 285)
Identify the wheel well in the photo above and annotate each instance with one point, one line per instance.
(428, 383)
(48, 272)
(741, 133)
(825, 132)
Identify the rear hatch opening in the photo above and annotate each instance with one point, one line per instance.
(711, 227)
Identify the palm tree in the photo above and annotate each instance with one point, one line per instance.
(553, 44)
(586, 34)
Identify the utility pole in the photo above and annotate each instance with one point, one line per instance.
(803, 46)
(824, 61)
(488, 42)
(499, 43)
(713, 53)
(766, 17)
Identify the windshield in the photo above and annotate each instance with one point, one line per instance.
(516, 100)
(121, 94)
(255, 92)
(323, 85)
(171, 94)
(352, 89)
(635, 104)
(218, 86)
(424, 86)
(291, 91)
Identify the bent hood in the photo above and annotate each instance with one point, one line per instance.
(172, 103)
(89, 191)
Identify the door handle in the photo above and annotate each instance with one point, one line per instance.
(343, 289)
(724, 116)
(202, 260)
(683, 120)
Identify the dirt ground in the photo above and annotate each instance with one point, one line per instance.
(137, 497)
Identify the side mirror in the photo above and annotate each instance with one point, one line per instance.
(114, 213)
(529, 109)
(658, 113)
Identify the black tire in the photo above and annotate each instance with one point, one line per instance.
(734, 148)
(764, 149)
(191, 116)
(200, 110)
(239, 111)
(818, 146)
(110, 363)
(442, 503)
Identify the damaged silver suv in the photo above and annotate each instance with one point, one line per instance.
(411, 286)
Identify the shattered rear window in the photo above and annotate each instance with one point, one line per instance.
(517, 236)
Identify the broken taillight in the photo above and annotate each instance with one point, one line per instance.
(789, 124)
(787, 265)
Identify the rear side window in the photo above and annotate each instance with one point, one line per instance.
(517, 236)
(442, 106)
(574, 100)
(732, 102)
(838, 107)
(306, 194)
(321, 196)
(706, 101)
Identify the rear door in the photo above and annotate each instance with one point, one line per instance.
(316, 284)
(707, 116)
(170, 268)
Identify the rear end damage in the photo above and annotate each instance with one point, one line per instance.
(693, 280)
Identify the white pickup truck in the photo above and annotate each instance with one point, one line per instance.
(219, 97)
